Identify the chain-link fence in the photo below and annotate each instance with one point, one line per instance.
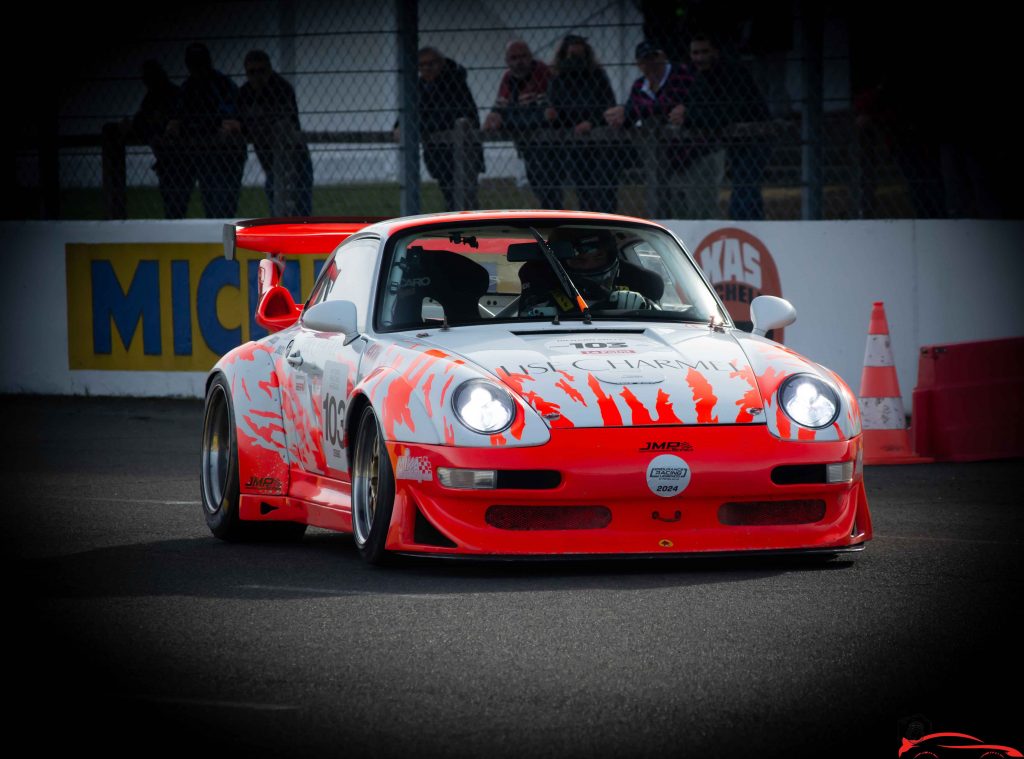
(645, 108)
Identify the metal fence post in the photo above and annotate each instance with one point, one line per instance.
(49, 167)
(286, 39)
(650, 154)
(460, 161)
(812, 31)
(407, 13)
(115, 173)
(858, 207)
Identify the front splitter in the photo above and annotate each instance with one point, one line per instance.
(780, 552)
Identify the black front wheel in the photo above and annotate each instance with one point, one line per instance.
(373, 490)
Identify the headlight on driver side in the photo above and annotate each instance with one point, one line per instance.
(809, 401)
(483, 407)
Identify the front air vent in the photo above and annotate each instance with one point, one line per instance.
(424, 532)
(549, 517)
(764, 513)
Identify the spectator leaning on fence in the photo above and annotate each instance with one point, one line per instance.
(445, 100)
(159, 105)
(655, 99)
(209, 135)
(270, 119)
(578, 96)
(519, 109)
(723, 95)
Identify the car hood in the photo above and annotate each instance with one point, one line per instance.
(608, 377)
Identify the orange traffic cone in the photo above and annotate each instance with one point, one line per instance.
(886, 437)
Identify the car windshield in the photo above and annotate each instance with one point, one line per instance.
(501, 272)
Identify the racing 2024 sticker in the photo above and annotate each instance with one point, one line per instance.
(668, 475)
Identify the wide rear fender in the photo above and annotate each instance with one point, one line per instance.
(250, 371)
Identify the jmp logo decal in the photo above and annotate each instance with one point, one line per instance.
(669, 445)
(264, 484)
(668, 475)
(741, 268)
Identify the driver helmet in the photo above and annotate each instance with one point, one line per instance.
(594, 260)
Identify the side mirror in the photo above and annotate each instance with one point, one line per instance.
(333, 316)
(768, 313)
(277, 309)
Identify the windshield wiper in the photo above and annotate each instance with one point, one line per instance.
(563, 277)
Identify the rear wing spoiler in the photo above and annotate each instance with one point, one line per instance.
(314, 234)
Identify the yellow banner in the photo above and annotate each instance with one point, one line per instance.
(165, 306)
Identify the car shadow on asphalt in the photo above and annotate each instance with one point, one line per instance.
(325, 565)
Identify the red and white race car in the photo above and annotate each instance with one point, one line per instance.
(522, 384)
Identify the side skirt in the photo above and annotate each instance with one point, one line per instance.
(313, 499)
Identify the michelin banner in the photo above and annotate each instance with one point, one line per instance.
(165, 307)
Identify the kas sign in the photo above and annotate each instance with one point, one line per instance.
(741, 268)
(165, 307)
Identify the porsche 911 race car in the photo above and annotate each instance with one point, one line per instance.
(522, 384)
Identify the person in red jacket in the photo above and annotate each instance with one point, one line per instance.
(519, 109)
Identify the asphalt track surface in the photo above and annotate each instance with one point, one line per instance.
(133, 630)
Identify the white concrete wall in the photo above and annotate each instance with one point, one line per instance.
(941, 281)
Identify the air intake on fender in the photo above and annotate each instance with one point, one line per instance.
(548, 517)
(426, 534)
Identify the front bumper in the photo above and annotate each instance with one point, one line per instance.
(609, 468)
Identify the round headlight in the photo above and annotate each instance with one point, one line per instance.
(483, 407)
(809, 401)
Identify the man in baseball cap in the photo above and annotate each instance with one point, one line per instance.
(657, 97)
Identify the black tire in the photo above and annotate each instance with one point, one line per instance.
(373, 490)
(218, 475)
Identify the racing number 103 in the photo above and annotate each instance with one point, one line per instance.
(334, 415)
(600, 345)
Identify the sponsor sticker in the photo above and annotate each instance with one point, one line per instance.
(416, 468)
(598, 345)
(263, 484)
(667, 445)
(668, 475)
